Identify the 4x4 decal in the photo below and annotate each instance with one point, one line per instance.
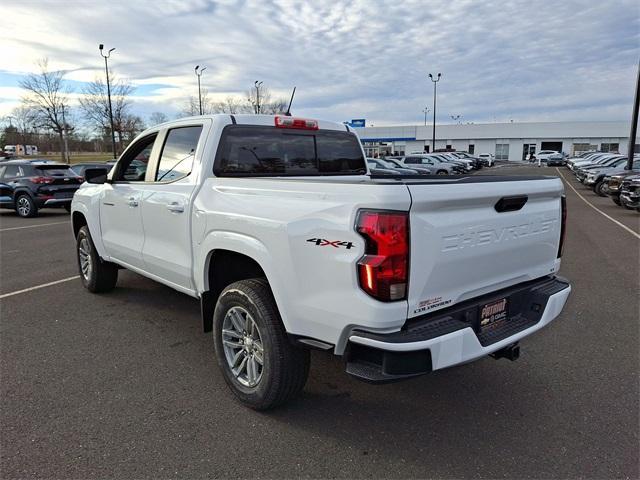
(322, 242)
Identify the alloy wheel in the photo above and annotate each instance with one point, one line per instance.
(84, 253)
(243, 348)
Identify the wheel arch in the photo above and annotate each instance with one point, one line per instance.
(222, 267)
(78, 220)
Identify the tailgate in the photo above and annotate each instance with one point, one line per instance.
(463, 246)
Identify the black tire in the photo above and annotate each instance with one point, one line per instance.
(616, 200)
(285, 367)
(102, 276)
(68, 208)
(597, 189)
(442, 172)
(25, 206)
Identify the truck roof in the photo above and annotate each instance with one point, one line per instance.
(265, 120)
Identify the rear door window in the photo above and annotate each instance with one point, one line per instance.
(176, 159)
(11, 171)
(247, 150)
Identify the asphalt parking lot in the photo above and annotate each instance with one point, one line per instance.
(125, 385)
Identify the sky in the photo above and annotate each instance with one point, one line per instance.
(545, 60)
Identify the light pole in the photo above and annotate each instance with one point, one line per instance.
(199, 71)
(435, 83)
(425, 111)
(257, 85)
(106, 69)
(631, 148)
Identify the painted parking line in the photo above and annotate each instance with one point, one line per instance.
(32, 226)
(597, 209)
(37, 287)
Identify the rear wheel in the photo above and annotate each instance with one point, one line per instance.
(25, 206)
(97, 275)
(616, 200)
(442, 172)
(259, 364)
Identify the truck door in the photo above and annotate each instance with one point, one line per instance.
(166, 206)
(120, 217)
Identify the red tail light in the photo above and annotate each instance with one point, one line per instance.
(563, 225)
(383, 270)
(301, 123)
(40, 180)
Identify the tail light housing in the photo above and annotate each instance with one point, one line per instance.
(42, 180)
(298, 123)
(563, 225)
(383, 270)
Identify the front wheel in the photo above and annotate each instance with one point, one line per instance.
(259, 364)
(597, 189)
(443, 172)
(97, 275)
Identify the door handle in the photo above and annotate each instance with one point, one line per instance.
(175, 207)
(133, 202)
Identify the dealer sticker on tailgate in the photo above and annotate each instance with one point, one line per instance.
(493, 312)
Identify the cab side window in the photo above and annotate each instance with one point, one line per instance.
(178, 152)
(133, 166)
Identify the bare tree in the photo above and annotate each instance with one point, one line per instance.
(260, 100)
(231, 105)
(25, 119)
(95, 105)
(46, 95)
(130, 126)
(157, 118)
(192, 107)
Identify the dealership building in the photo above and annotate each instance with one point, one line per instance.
(507, 141)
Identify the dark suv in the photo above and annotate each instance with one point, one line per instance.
(28, 186)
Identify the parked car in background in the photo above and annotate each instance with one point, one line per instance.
(606, 162)
(378, 163)
(36, 185)
(487, 158)
(613, 183)
(598, 179)
(378, 168)
(79, 168)
(477, 163)
(420, 169)
(630, 192)
(554, 160)
(573, 163)
(543, 155)
(438, 166)
(451, 157)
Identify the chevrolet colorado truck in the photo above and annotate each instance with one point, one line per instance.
(277, 226)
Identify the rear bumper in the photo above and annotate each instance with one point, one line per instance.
(452, 336)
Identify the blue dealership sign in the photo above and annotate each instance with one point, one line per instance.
(357, 123)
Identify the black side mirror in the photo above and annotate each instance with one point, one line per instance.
(96, 175)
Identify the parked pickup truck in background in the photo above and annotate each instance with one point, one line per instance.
(276, 225)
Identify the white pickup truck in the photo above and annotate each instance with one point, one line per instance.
(275, 224)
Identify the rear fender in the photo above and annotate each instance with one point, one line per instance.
(245, 245)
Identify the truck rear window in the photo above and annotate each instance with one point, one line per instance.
(247, 150)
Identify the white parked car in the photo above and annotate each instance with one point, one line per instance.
(274, 224)
(544, 155)
(487, 158)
